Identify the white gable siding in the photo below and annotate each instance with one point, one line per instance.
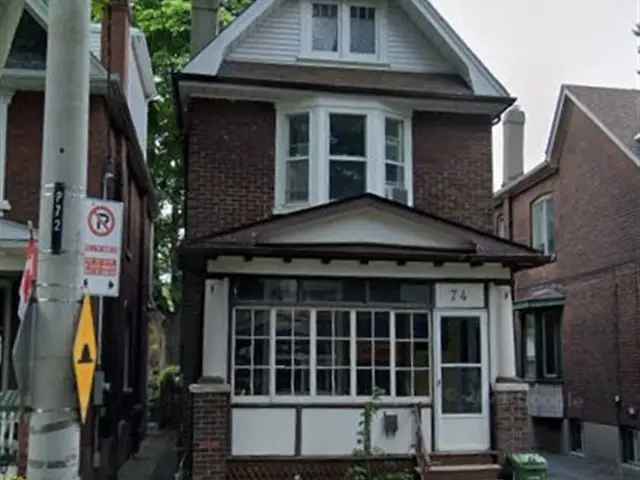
(275, 39)
(137, 101)
(278, 39)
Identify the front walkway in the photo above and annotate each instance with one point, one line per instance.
(571, 467)
(156, 460)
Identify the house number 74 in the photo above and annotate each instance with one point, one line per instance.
(458, 294)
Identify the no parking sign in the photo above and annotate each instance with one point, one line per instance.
(102, 247)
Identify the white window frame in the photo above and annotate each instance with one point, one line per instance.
(313, 397)
(288, 158)
(320, 109)
(344, 53)
(5, 101)
(544, 200)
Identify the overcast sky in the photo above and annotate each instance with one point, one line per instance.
(534, 46)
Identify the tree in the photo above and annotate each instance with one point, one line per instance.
(166, 24)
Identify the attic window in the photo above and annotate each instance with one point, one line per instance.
(343, 31)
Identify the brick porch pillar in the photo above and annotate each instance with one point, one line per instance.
(211, 427)
(511, 418)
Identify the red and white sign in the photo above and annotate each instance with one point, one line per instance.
(29, 276)
(102, 247)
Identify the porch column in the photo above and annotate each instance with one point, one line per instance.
(509, 402)
(215, 336)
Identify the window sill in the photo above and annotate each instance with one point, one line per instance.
(341, 61)
(5, 206)
(545, 381)
(290, 208)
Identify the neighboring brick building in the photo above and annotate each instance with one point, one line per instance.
(117, 170)
(578, 318)
(338, 239)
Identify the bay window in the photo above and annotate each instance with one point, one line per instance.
(343, 30)
(342, 344)
(326, 153)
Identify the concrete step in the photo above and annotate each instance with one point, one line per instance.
(463, 472)
(465, 458)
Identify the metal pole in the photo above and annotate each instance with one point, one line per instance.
(54, 438)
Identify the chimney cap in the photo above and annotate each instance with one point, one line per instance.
(515, 115)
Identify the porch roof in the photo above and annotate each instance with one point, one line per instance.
(13, 234)
(361, 228)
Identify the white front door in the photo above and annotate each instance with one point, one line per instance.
(461, 381)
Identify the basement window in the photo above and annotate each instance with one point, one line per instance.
(630, 446)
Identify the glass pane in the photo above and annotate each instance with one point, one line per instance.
(347, 135)
(382, 354)
(354, 291)
(243, 323)
(343, 353)
(284, 320)
(348, 179)
(297, 181)
(299, 135)
(325, 27)
(461, 390)
(301, 381)
(248, 289)
(403, 354)
(420, 326)
(301, 352)
(389, 291)
(364, 381)
(261, 353)
(537, 223)
(323, 353)
(530, 369)
(283, 381)
(552, 344)
(243, 381)
(393, 140)
(383, 381)
(421, 354)
(261, 381)
(422, 383)
(364, 353)
(323, 324)
(343, 324)
(283, 353)
(323, 381)
(460, 340)
(381, 325)
(243, 352)
(363, 325)
(551, 218)
(261, 323)
(363, 30)
(302, 323)
(280, 290)
(343, 381)
(403, 383)
(333, 290)
(415, 292)
(403, 325)
(394, 175)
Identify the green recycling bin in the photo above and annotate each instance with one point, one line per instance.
(527, 466)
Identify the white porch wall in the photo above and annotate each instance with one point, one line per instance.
(502, 338)
(216, 329)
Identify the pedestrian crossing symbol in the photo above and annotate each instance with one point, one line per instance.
(84, 357)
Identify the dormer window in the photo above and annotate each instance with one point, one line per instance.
(342, 31)
(327, 152)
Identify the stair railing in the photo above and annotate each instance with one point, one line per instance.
(422, 455)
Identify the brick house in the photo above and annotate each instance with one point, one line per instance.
(117, 170)
(577, 317)
(338, 241)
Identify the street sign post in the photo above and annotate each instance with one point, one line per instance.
(84, 357)
(102, 247)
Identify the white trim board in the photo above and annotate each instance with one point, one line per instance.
(429, 21)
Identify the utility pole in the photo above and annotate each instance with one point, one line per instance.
(54, 440)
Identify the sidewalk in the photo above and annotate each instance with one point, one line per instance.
(571, 467)
(157, 459)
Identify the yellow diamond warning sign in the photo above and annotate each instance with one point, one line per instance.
(84, 357)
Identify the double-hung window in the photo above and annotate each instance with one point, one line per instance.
(542, 344)
(347, 155)
(348, 30)
(5, 100)
(395, 182)
(543, 225)
(297, 168)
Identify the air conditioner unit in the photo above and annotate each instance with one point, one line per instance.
(397, 194)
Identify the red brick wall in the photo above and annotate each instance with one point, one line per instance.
(453, 167)
(598, 240)
(211, 435)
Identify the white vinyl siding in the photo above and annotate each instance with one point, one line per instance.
(278, 39)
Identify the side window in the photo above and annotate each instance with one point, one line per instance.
(501, 229)
(543, 225)
(541, 345)
(395, 184)
(297, 183)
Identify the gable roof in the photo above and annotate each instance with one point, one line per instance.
(209, 60)
(615, 111)
(366, 227)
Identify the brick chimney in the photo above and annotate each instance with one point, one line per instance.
(115, 39)
(204, 23)
(513, 130)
